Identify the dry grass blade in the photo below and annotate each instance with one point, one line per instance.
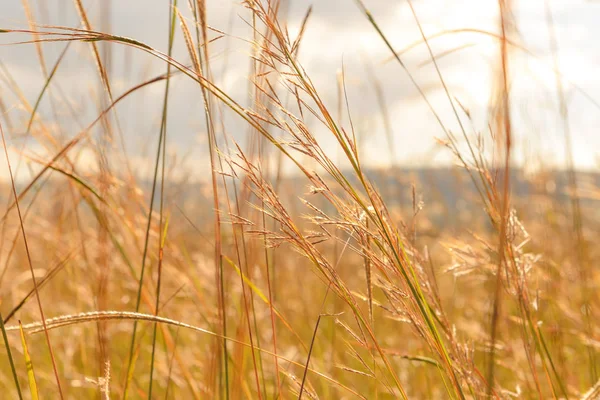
(577, 217)
(24, 235)
(202, 69)
(49, 276)
(68, 320)
(162, 230)
(73, 142)
(46, 85)
(101, 70)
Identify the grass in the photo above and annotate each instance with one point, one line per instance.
(251, 288)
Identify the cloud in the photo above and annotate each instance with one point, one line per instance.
(337, 35)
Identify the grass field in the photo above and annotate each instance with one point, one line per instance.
(286, 267)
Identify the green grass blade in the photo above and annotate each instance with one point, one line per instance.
(30, 374)
(10, 359)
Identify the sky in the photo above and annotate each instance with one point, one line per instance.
(338, 36)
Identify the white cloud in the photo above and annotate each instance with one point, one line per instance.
(338, 31)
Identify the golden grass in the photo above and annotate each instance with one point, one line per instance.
(342, 290)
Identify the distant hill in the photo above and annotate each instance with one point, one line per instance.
(447, 193)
